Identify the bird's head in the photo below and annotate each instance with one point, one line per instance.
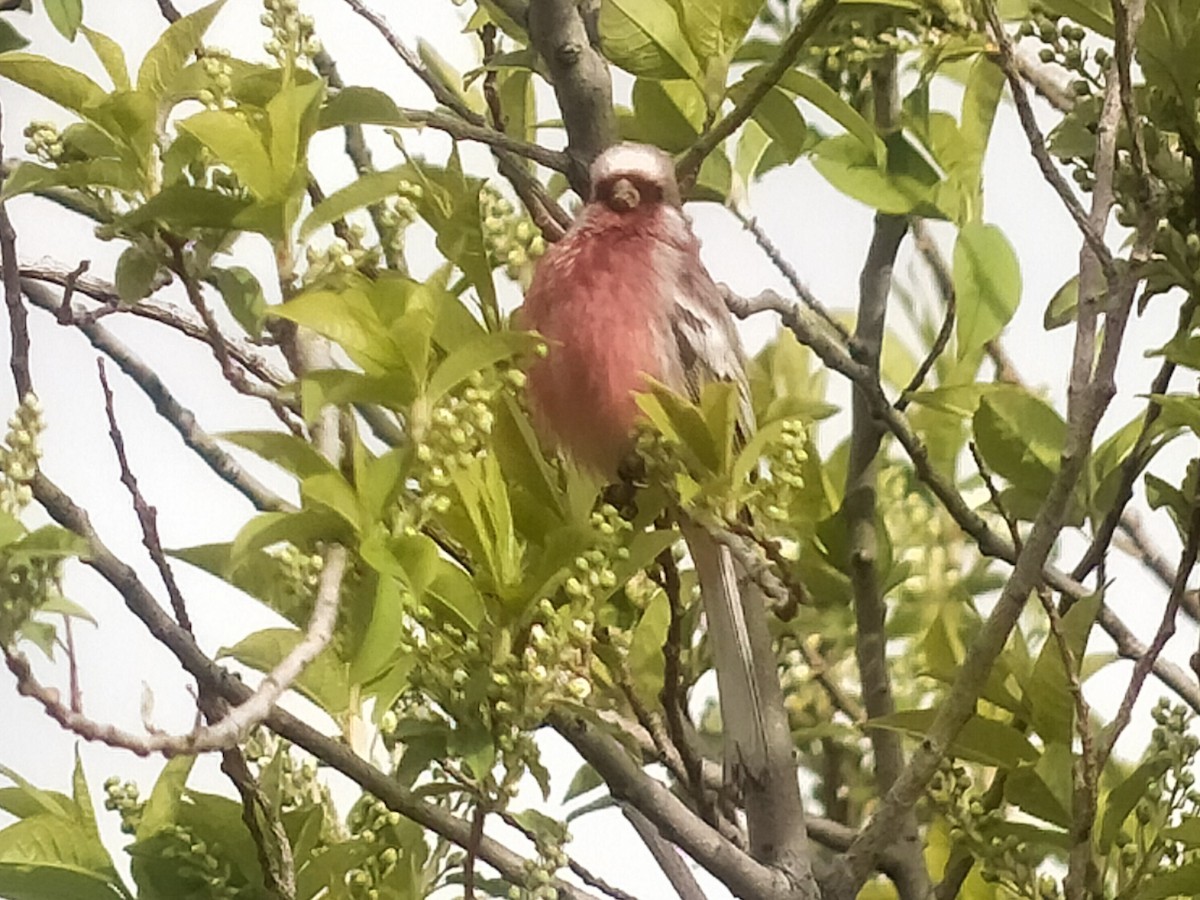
(626, 177)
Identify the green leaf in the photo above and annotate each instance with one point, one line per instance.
(63, 850)
(290, 453)
(715, 28)
(586, 779)
(1063, 305)
(292, 114)
(981, 740)
(363, 191)
(182, 206)
(65, 15)
(348, 318)
(332, 491)
(1021, 438)
(476, 355)
(324, 681)
(111, 56)
(987, 283)
(667, 114)
(165, 61)
(361, 106)
(29, 177)
(1044, 789)
(68, 88)
(135, 274)
(830, 102)
(782, 121)
(1049, 693)
(162, 806)
(646, 648)
(1187, 832)
(302, 528)
(1125, 796)
(243, 297)
(33, 800)
(1093, 14)
(644, 37)
(10, 38)
(1180, 882)
(905, 186)
(237, 144)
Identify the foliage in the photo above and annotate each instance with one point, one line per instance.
(493, 588)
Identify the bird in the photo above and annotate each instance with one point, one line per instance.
(623, 299)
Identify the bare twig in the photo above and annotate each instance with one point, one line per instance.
(673, 866)
(165, 403)
(157, 311)
(549, 216)
(147, 514)
(861, 512)
(18, 362)
(788, 271)
(789, 50)
(272, 844)
(627, 782)
(1166, 628)
(220, 348)
(230, 730)
(1037, 143)
(72, 667)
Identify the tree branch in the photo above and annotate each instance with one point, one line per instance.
(180, 418)
(579, 75)
(1037, 143)
(789, 50)
(669, 861)
(741, 873)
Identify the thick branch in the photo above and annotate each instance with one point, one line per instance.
(626, 781)
(581, 82)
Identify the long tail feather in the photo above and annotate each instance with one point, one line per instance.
(742, 702)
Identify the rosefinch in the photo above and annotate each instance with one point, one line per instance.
(624, 296)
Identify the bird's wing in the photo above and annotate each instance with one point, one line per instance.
(707, 341)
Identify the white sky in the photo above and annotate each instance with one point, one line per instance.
(822, 233)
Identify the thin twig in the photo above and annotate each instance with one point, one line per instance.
(147, 515)
(1166, 628)
(18, 329)
(789, 50)
(549, 216)
(178, 416)
(788, 271)
(673, 866)
(1037, 143)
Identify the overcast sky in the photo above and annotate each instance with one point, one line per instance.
(823, 234)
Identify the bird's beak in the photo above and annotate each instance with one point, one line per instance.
(625, 196)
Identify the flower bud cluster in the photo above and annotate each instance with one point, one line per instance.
(539, 873)
(43, 141)
(1004, 859)
(513, 240)
(296, 782)
(1064, 46)
(371, 822)
(784, 459)
(397, 213)
(340, 257)
(216, 65)
(458, 433)
(19, 455)
(194, 860)
(299, 574)
(124, 798)
(293, 36)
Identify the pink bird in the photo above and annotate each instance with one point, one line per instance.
(622, 297)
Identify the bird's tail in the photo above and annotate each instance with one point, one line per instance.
(742, 700)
